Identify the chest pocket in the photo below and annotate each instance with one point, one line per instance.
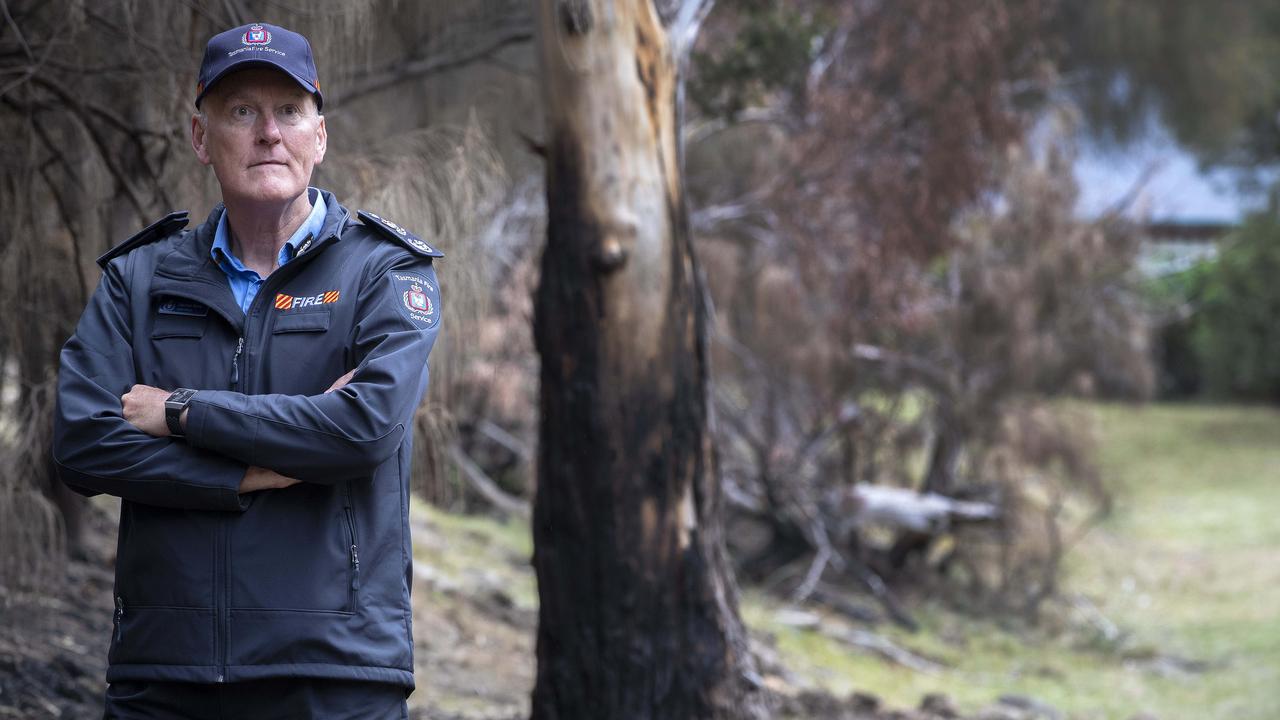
(179, 326)
(304, 357)
(177, 355)
(302, 322)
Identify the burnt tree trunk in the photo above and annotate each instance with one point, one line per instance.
(638, 616)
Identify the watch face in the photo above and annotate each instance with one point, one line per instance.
(182, 395)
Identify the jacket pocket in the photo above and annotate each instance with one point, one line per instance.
(165, 557)
(180, 637)
(183, 351)
(302, 322)
(307, 356)
(178, 326)
(292, 550)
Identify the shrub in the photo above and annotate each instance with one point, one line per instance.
(1236, 331)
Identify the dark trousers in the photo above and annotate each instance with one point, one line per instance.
(271, 699)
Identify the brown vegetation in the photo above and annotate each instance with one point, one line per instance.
(901, 290)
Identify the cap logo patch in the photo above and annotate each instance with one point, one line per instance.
(256, 35)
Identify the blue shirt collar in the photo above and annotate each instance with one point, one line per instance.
(310, 227)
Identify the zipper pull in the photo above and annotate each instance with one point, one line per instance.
(119, 617)
(355, 565)
(235, 363)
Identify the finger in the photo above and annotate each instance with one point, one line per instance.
(341, 381)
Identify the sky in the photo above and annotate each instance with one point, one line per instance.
(1175, 189)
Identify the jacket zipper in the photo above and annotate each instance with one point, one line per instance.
(282, 275)
(221, 584)
(119, 619)
(223, 588)
(240, 381)
(235, 362)
(354, 589)
(220, 572)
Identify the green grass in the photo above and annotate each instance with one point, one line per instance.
(470, 551)
(1188, 567)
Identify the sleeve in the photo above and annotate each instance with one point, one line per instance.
(347, 433)
(97, 451)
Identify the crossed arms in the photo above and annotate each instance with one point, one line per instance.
(107, 440)
(143, 407)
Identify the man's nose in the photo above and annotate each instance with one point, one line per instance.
(268, 130)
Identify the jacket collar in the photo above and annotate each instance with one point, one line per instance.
(190, 271)
(192, 259)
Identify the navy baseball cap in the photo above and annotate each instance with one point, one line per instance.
(262, 45)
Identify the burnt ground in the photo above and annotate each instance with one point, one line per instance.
(474, 624)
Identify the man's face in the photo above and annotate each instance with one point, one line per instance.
(262, 135)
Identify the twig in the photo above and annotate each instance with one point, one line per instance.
(505, 439)
(819, 565)
(486, 486)
(363, 85)
(884, 648)
(22, 40)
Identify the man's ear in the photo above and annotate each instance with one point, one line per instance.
(200, 139)
(322, 141)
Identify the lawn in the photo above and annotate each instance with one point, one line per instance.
(1187, 568)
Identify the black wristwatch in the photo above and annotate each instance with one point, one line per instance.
(177, 401)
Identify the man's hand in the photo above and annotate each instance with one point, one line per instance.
(143, 406)
(340, 382)
(259, 478)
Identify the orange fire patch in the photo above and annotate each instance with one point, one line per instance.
(288, 302)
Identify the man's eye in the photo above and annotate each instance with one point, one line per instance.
(240, 111)
(290, 109)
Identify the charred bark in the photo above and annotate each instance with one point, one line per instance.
(638, 616)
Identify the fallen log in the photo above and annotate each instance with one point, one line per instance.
(903, 509)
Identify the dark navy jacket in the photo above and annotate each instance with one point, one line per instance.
(311, 580)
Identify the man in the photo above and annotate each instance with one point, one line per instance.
(248, 389)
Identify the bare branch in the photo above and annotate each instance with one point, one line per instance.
(931, 374)
(484, 485)
(505, 439)
(73, 100)
(820, 562)
(688, 20)
(884, 648)
(22, 40)
(513, 32)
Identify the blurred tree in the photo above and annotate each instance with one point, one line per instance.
(1236, 336)
(901, 290)
(1206, 70)
(638, 616)
(760, 48)
(95, 163)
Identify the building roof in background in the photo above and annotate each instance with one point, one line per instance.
(1186, 230)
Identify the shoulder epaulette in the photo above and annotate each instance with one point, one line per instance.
(395, 232)
(161, 228)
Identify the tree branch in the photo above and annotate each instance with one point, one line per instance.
(486, 486)
(512, 33)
